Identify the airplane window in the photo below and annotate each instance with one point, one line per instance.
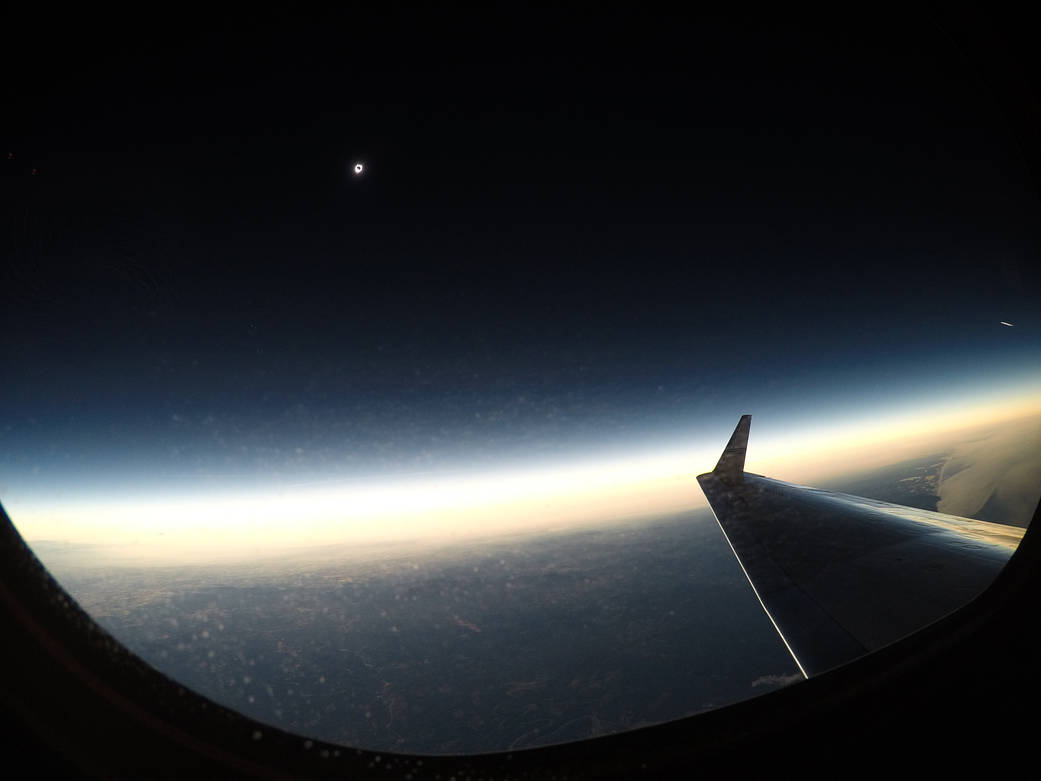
(364, 381)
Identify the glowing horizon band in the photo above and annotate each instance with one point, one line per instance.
(474, 503)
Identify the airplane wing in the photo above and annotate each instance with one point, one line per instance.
(841, 575)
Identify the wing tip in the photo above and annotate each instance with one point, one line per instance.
(731, 464)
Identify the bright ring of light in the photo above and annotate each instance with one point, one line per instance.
(358, 168)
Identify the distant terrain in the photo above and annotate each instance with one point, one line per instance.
(915, 482)
(508, 643)
(512, 644)
(990, 474)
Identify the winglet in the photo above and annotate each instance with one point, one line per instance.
(731, 465)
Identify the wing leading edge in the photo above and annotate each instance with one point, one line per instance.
(842, 575)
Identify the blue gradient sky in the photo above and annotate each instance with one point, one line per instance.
(558, 253)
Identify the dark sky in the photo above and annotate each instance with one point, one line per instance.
(571, 230)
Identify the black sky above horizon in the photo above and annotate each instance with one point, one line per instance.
(569, 228)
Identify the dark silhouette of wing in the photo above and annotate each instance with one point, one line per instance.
(842, 575)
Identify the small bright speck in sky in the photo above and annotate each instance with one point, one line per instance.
(1006, 323)
(358, 168)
